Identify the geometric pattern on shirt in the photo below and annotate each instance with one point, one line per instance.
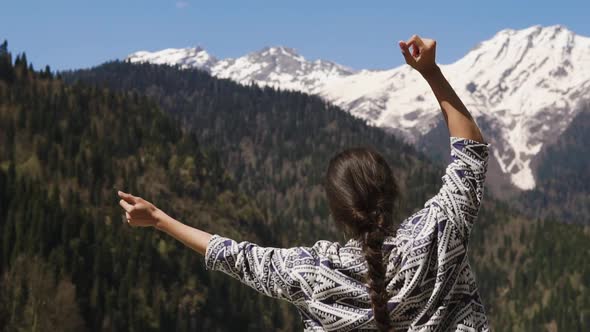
(429, 280)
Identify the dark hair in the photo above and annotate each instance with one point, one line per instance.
(361, 191)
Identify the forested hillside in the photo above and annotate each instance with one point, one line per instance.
(241, 161)
(68, 263)
(275, 144)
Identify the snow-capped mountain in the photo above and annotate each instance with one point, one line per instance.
(195, 57)
(525, 85)
(279, 67)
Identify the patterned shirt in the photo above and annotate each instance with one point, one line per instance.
(429, 280)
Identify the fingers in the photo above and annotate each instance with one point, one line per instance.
(126, 206)
(416, 44)
(416, 40)
(127, 197)
(415, 50)
(406, 53)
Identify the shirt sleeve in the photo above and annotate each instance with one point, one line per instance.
(463, 182)
(283, 273)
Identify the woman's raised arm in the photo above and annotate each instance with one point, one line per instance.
(420, 54)
(463, 183)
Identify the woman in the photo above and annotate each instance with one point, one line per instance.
(416, 278)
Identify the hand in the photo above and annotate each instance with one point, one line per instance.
(422, 56)
(138, 211)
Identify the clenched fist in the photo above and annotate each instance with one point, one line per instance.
(420, 53)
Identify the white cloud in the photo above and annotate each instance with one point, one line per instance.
(181, 4)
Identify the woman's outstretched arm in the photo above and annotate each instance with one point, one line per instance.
(284, 273)
(420, 54)
(142, 213)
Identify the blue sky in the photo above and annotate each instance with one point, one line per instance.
(359, 34)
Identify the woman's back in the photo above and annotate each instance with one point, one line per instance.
(429, 281)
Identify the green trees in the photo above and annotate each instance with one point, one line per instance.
(275, 144)
(64, 151)
(6, 68)
(32, 298)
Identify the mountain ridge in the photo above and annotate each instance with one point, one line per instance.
(540, 76)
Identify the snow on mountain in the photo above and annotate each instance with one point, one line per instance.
(195, 57)
(279, 67)
(524, 85)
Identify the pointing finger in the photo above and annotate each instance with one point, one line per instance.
(127, 197)
(126, 206)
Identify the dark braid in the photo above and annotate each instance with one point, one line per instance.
(372, 241)
(361, 191)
